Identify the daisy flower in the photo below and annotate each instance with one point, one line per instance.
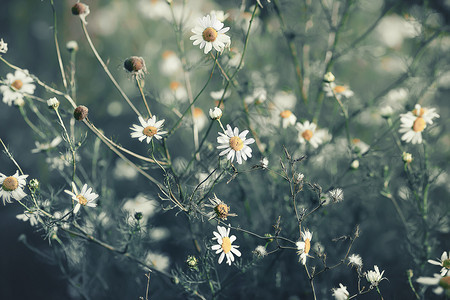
(148, 129)
(374, 277)
(333, 90)
(307, 132)
(341, 293)
(287, 118)
(85, 198)
(219, 209)
(442, 282)
(210, 34)
(12, 186)
(16, 86)
(304, 246)
(225, 245)
(413, 123)
(235, 144)
(444, 262)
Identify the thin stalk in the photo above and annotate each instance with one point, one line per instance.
(58, 52)
(69, 141)
(143, 96)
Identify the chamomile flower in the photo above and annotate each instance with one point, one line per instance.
(235, 144)
(17, 86)
(308, 133)
(442, 283)
(374, 277)
(12, 186)
(304, 246)
(444, 262)
(211, 34)
(219, 209)
(333, 90)
(225, 245)
(287, 118)
(32, 216)
(413, 123)
(170, 63)
(341, 292)
(86, 197)
(355, 261)
(148, 129)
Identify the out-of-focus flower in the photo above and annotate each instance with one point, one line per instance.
(217, 95)
(225, 245)
(336, 195)
(374, 277)
(211, 34)
(200, 118)
(175, 94)
(407, 157)
(287, 118)
(170, 64)
(47, 146)
(444, 262)
(123, 170)
(264, 162)
(333, 90)
(31, 216)
(81, 10)
(157, 261)
(155, 9)
(3, 46)
(72, 46)
(355, 164)
(148, 129)
(17, 86)
(341, 292)
(308, 133)
(235, 144)
(86, 197)
(359, 146)
(258, 96)
(219, 209)
(442, 283)
(260, 251)
(12, 186)
(393, 29)
(413, 123)
(386, 111)
(147, 207)
(220, 15)
(304, 246)
(329, 77)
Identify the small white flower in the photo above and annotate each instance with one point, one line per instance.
(304, 246)
(359, 146)
(260, 251)
(211, 34)
(17, 86)
(235, 144)
(219, 209)
(86, 197)
(142, 204)
(407, 157)
(215, 113)
(413, 123)
(308, 133)
(217, 95)
(264, 162)
(444, 262)
(170, 63)
(155, 9)
(225, 245)
(258, 96)
(386, 111)
(341, 293)
(31, 216)
(442, 282)
(200, 118)
(46, 146)
(72, 46)
(158, 261)
(148, 129)
(337, 195)
(287, 118)
(333, 90)
(3, 46)
(374, 277)
(12, 186)
(355, 260)
(53, 103)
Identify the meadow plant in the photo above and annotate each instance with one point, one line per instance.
(145, 197)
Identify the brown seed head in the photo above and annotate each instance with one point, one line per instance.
(134, 64)
(79, 9)
(80, 113)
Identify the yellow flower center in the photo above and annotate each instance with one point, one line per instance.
(339, 89)
(17, 84)
(198, 112)
(419, 124)
(150, 131)
(285, 114)
(222, 211)
(446, 263)
(307, 246)
(226, 244)
(82, 200)
(419, 113)
(444, 282)
(174, 85)
(10, 184)
(209, 34)
(236, 143)
(307, 134)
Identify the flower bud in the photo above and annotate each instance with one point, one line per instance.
(138, 216)
(80, 113)
(3, 46)
(355, 164)
(328, 77)
(34, 184)
(215, 114)
(407, 157)
(192, 262)
(53, 103)
(72, 46)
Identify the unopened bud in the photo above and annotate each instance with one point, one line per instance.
(215, 113)
(53, 103)
(328, 77)
(72, 46)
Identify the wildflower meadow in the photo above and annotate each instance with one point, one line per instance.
(181, 149)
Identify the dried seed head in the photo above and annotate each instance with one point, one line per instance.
(135, 65)
(80, 113)
(80, 9)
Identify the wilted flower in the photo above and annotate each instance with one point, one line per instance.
(355, 261)
(304, 246)
(81, 10)
(260, 251)
(374, 277)
(53, 103)
(211, 34)
(337, 195)
(148, 129)
(341, 293)
(136, 66)
(12, 186)
(219, 209)
(235, 144)
(413, 123)
(225, 245)
(86, 197)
